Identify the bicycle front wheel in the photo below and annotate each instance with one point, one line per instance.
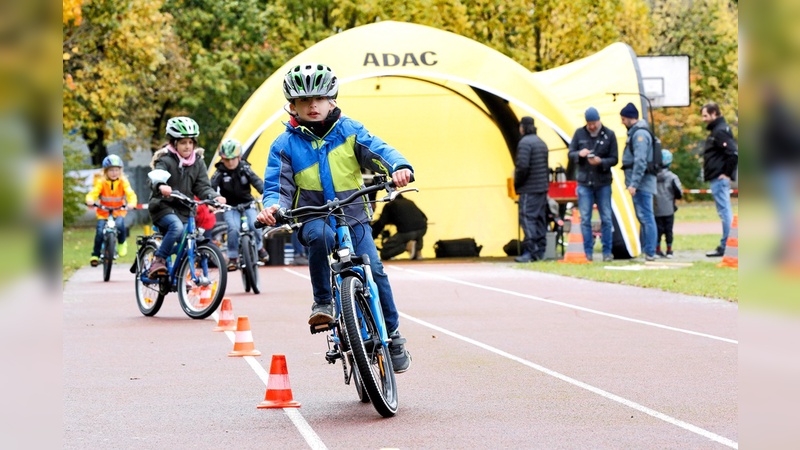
(249, 256)
(201, 294)
(109, 243)
(372, 359)
(149, 296)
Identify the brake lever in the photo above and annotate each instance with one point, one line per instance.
(392, 195)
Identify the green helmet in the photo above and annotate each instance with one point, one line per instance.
(182, 127)
(230, 148)
(310, 80)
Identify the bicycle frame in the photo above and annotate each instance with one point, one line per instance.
(186, 246)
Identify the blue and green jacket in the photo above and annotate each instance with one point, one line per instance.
(306, 170)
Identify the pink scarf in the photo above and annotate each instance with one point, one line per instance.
(184, 162)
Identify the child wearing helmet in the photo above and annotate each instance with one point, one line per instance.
(234, 180)
(188, 174)
(317, 158)
(111, 189)
(668, 189)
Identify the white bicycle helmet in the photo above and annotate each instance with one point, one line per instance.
(182, 127)
(310, 80)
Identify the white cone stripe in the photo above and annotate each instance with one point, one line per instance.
(278, 382)
(244, 336)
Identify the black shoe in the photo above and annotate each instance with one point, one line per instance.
(669, 253)
(524, 258)
(649, 257)
(321, 313)
(590, 258)
(661, 254)
(720, 251)
(401, 359)
(263, 256)
(158, 268)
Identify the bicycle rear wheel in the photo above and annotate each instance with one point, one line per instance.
(149, 296)
(363, 396)
(372, 359)
(109, 243)
(249, 257)
(199, 299)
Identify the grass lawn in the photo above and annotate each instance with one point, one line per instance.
(78, 243)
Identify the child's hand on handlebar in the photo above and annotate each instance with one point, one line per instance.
(267, 215)
(165, 189)
(401, 177)
(220, 199)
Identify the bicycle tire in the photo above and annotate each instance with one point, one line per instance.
(109, 242)
(149, 296)
(209, 261)
(363, 396)
(374, 366)
(244, 243)
(250, 258)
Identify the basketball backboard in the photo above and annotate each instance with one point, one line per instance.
(665, 79)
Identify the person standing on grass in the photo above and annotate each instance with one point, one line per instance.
(720, 158)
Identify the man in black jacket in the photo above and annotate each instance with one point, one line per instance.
(593, 150)
(720, 157)
(411, 223)
(531, 181)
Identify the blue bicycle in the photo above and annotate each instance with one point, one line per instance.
(358, 335)
(198, 272)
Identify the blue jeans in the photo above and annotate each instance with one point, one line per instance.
(172, 228)
(234, 220)
(643, 204)
(721, 190)
(98, 235)
(601, 196)
(319, 237)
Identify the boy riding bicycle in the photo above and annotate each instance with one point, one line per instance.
(189, 175)
(318, 158)
(112, 189)
(233, 180)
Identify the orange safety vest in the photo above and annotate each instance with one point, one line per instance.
(112, 193)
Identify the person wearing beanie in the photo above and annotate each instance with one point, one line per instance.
(594, 151)
(531, 181)
(640, 183)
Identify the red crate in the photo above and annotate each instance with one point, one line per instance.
(563, 190)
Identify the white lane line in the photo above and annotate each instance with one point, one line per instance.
(312, 439)
(567, 305)
(671, 420)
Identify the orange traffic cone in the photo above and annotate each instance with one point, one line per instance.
(731, 256)
(279, 392)
(227, 322)
(243, 345)
(575, 253)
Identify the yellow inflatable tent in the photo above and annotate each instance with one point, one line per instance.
(452, 106)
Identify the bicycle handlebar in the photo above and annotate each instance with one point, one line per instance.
(110, 208)
(190, 201)
(283, 216)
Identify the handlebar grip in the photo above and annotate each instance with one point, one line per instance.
(259, 225)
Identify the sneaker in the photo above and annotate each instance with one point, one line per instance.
(669, 253)
(524, 258)
(300, 261)
(263, 256)
(718, 252)
(94, 261)
(233, 264)
(661, 254)
(590, 258)
(411, 248)
(401, 359)
(157, 268)
(608, 258)
(649, 257)
(122, 249)
(321, 313)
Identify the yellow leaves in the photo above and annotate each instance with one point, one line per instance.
(71, 12)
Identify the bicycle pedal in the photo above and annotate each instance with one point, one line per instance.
(321, 327)
(332, 355)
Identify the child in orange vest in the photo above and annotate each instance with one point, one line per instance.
(112, 190)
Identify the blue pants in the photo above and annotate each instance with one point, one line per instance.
(721, 190)
(98, 234)
(601, 196)
(320, 238)
(234, 220)
(172, 228)
(643, 204)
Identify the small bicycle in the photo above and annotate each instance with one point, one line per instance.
(248, 250)
(358, 335)
(108, 250)
(198, 272)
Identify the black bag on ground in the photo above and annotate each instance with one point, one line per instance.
(452, 248)
(512, 248)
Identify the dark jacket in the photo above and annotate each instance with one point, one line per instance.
(235, 185)
(604, 146)
(189, 180)
(531, 172)
(403, 214)
(720, 152)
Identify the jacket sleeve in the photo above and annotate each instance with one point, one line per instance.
(279, 185)
(573, 149)
(677, 188)
(613, 153)
(215, 179)
(94, 194)
(254, 179)
(202, 186)
(640, 144)
(522, 164)
(375, 154)
(130, 194)
(727, 143)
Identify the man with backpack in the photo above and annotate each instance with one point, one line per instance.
(637, 163)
